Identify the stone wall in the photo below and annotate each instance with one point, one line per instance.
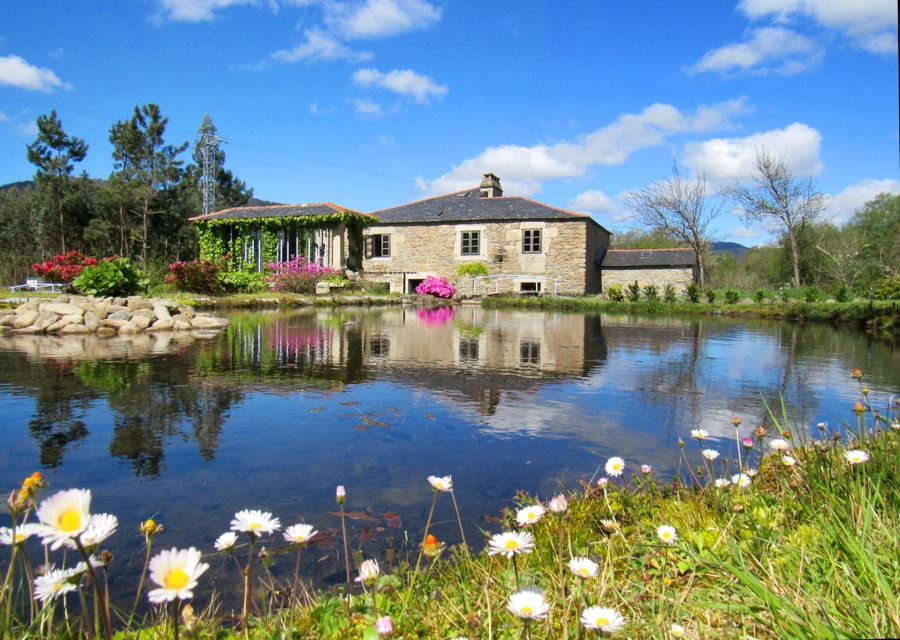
(678, 277)
(422, 250)
(105, 316)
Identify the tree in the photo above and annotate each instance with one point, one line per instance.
(54, 153)
(680, 207)
(878, 225)
(779, 201)
(230, 191)
(144, 161)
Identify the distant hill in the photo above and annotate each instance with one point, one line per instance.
(734, 249)
(256, 202)
(17, 185)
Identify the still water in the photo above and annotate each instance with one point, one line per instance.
(281, 408)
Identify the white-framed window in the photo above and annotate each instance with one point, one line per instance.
(378, 245)
(531, 240)
(470, 243)
(530, 287)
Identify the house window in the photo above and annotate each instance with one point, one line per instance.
(530, 287)
(470, 243)
(378, 245)
(529, 352)
(531, 241)
(468, 350)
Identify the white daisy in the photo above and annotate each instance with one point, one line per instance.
(779, 445)
(667, 534)
(368, 571)
(788, 461)
(254, 522)
(602, 618)
(710, 454)
(559, 504)
(741, 479)
(856, 456)
(226, 541)
(299, 533)
(529, 515)
(57, 582)
(176, 572)
(528, 604)
(700, 434)
(441, 484)
(23, 532)
(64, 515)
(722, 482)
(615, 466)
(102, 526)
(677, 631)
(584, 567)
(510, 543)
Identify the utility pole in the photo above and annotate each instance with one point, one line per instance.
(209, 147)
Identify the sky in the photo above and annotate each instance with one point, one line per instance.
(374, 103)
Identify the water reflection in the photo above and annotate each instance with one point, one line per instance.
(282, 407)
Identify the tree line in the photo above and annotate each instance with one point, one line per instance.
(139, 211)
(807, 252)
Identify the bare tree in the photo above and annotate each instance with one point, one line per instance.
(779, 201)
(681, 207)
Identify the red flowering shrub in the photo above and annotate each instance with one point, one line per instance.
(298, 275)
(64, 268)
(196, 276)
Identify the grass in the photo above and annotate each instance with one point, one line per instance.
(806, 550)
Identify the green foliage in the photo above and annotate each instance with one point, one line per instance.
(759, 295)
(710, 295)
(111, 277)
(196, 276)
(888, 288)
(651, 293)
(244, 281)
(669, 294)
(472, 270)
(732, 296)
(812, 294)
(692, 292)
(633, 292)
(614, 293)
(842, 294)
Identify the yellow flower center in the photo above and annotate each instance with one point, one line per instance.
(70, 520)
(177, 579)
(601, 621)
(20, 536)
(527, 610)
(254, 526)
(512, 544)
(583, 572)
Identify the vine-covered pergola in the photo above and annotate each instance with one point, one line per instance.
(252, 237)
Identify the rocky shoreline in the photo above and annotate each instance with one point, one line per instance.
(105, 317)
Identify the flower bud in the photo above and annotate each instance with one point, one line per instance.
(340, 494)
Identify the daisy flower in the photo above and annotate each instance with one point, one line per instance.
(741, 479)
(602, 618)
(510, 543)
(299, 533)
(441, 484)
(226, 541)
(779, 445)
(856, 456)
(176, 572)
(677, 630)
(609, 525)
(646, 468)
(529, 515)
(559, 504)
(602, 481)
(615, 466)
(23, 532)
(64, 515)
(528, 604)
(57, 582)
(788, 461)
(254, 522)
(101, 526)
(722, 482)
(584, 567)
(667, 534)
(368, 571)
(700, 434)
(710, 454)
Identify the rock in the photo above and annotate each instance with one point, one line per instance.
(120, 315)
(161, 325)
(62, 308)
(208, 322)
(141, 322)
(74, 329)
(162, 312)
(25, 319)
(129, 328)
(136, 303)
(107, 332)
(181, 325)
(91, 320)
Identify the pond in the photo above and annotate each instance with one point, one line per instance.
(282, 407)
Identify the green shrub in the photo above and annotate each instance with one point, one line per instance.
(842, 294)
(633, 292)
(710, 295)
(472, 270)
(669, 294)
(197, 276)
(614, 293)
(759, 295)
(888, 289)
(243, 281)
(812, 294)
(732, 296)
(113, 277)
(692, 292)
(651, 292)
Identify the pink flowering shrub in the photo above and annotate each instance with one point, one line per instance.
(434, 286)
(198, 276)
(435, 317)
(298, 275)
(64, 267)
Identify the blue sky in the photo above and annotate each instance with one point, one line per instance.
(374, 103)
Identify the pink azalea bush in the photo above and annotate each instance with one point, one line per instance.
(437, 287)
(298, 275)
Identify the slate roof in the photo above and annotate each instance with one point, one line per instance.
(467, 206)
(277, 211)
(628, 258)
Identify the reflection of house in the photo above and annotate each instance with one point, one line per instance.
(657, 267)
(526, 245)
(326, 234)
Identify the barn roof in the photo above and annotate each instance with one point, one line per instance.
(636, 258)
(276, 211)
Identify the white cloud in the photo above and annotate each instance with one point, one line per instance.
(196, 10)
(772, 50)
(724, 159)
(743, 232)
(842, 206)
(17, 72)
(870, 24)
(4, 117)
(320, 46)
(524, 169)
(381, 18)
(405, 83)
(366, 107)
(595, 201)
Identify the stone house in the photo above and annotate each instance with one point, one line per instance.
(527, 246)
(658, 267)
(254, 236)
